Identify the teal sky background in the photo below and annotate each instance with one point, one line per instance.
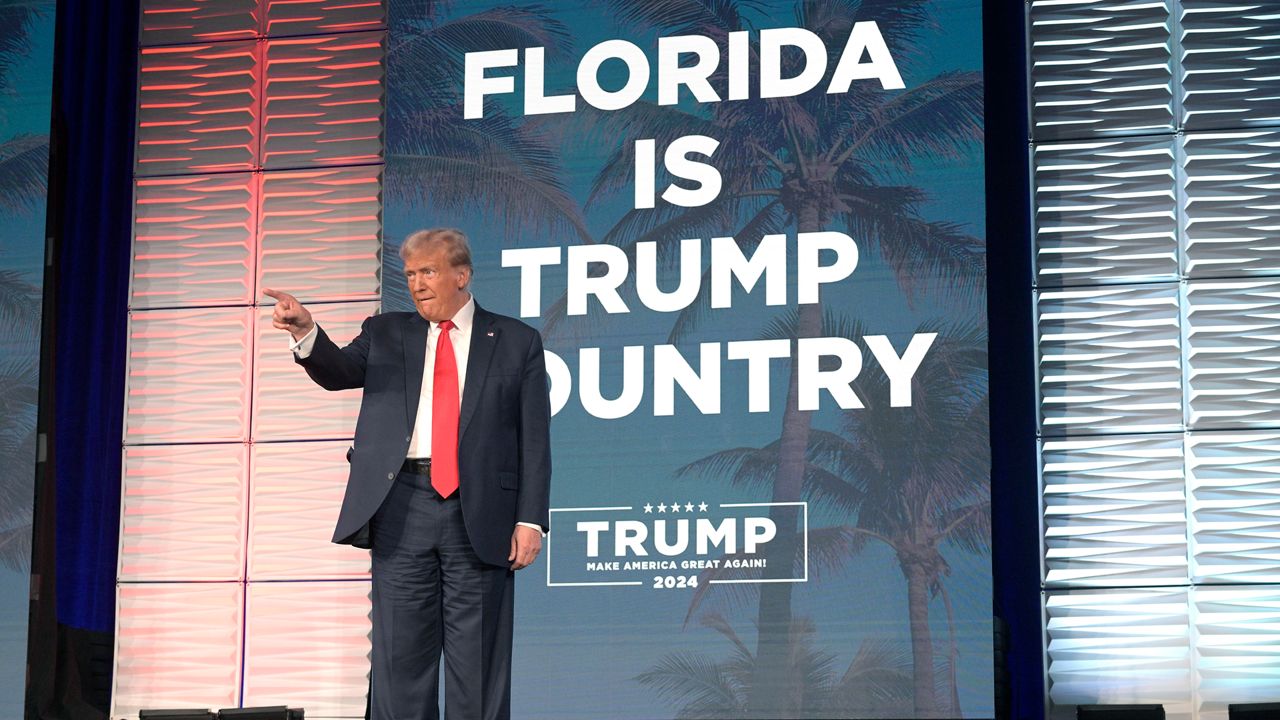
(579, 650)
(24, 109)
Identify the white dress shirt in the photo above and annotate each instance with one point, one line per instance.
(460, 336)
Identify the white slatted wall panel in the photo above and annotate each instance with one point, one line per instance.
(1155, 150)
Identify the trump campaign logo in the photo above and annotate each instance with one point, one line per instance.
(678, 543)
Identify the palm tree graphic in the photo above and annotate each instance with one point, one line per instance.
(915, 478)
(802, 164)
(876, 683)
(20, 326)
(807, 163)
(24, 162)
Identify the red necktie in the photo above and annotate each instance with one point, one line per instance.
(444, 415)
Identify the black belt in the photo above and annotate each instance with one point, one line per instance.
(417, 466)
(416, 473)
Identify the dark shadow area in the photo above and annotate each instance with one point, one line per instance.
(1015, 498)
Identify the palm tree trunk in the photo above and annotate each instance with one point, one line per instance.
(772, 695)
(926, 701)
(952, 669)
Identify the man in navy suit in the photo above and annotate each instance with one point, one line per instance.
(450, 479)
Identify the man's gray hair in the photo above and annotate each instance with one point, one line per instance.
(454, 240)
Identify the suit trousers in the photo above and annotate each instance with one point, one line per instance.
(431, 594)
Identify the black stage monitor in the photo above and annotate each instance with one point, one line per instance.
(1120, 712)
(1253, 711)
(187, 714)
(275, 712)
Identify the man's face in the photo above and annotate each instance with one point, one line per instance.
(436, 286)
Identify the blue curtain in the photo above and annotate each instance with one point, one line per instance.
(91, 208)
(82, 367)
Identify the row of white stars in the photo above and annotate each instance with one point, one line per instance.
(675, 507)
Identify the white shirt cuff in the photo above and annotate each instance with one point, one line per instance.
(534, 526)
(302, 348)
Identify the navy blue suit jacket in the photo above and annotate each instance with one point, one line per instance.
(504, 442)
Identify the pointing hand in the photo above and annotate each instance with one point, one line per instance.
(289, 314)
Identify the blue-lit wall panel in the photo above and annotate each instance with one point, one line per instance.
(1155, 155)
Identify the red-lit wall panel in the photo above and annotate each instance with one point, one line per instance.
(183, 512)
(320, 232)
(198, 108)
(258, 164)
(193, 240)
(306, 648)
(177, 645)
(323, 101)
(297, 489)
(188, 375)
(171, 22)
(285, 400)
(312, 17)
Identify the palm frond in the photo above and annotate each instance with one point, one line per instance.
(491, 165)
(834, 324)
(426, 52)
(16, 17)
(936, 119)
(19, 304)
(717, 622)
(924, 256)
(456, 182)
(24, 172)
(705, 688)
(695, 681)
(879, 681)
(682, 17)
(504, 27)
(725, 596)
(416, 12)
(15, 547)
(740, 465)
(442, 42)
(901, 22)
(18, 397)
(968, 527)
